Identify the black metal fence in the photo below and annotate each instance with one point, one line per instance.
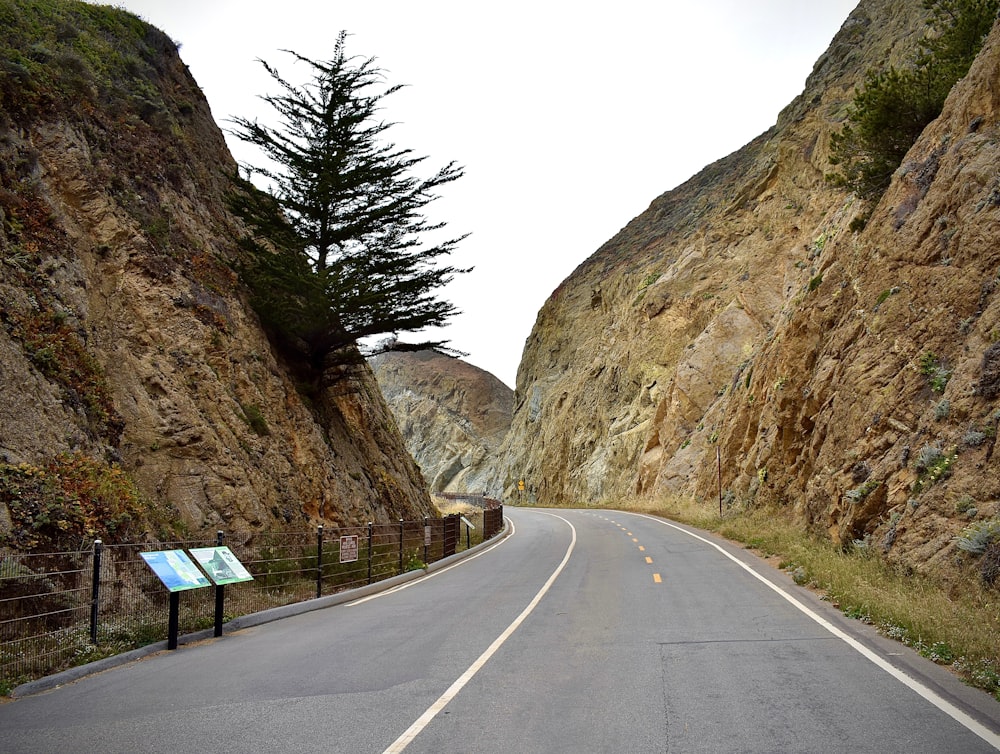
(63, 609)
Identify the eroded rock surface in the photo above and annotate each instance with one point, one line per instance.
(741, 312)
(127, 337)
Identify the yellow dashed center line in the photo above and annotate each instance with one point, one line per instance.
(657, 579)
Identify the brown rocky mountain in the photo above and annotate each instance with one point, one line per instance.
(126, 339)
(849, 376)
(453, 415)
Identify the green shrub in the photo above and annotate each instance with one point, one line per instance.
(975, 538)
(942, 409)
(415, 562)
(254, 418)
(858, 494)
(937, 375)
(73, 498)
(934, 465)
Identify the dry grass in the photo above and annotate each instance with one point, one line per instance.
(447, 507)
(952, 621)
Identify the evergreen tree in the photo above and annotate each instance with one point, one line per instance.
(893, 107)
(337, 253)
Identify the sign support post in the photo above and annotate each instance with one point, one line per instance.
(220, 593)
(173, 620)
(468, 535)
(177, 573)
(95, 590)
(222, 568)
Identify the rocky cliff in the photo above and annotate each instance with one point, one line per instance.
(850, 376)
(126, 338)
(453, 415)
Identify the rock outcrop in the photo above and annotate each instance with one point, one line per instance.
(453, 415)
(126, 336)
(841, 373)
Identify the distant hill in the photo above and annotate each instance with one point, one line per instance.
(453, 415)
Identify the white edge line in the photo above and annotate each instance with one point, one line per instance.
(424, 720)
(422, 579)
(942, 704)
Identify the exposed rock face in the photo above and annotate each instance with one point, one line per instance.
(453, 415)
(741, 312)
(126, 336)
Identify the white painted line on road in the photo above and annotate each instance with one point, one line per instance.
(424, 720)
(422, 579)
(942, 704)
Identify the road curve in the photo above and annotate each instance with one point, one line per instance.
(584, 631)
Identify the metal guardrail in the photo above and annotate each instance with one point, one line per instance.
(63, 609)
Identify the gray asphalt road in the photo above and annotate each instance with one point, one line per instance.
(585, 631)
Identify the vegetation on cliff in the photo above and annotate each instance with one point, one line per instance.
(93, 64)
(893, 106)
(59, 56)
(73, 499)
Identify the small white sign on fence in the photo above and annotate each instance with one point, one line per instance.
(349, 548)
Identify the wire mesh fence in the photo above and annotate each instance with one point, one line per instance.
(63, 609)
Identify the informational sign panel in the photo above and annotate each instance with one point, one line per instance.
(468, 523)
(427, 536)
(221, 565)
(175, 569)
(349, 548)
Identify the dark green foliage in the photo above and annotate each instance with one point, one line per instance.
(337, 253)
(255, 420)
(936, 373)
(894, 106)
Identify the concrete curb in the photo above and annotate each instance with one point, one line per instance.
(247, 621)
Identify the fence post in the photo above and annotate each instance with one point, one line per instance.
(319, 561)
(220, 592)
(400, 545)
(95, 589)
(426, 532)
(369, 552)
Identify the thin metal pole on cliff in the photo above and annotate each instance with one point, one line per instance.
(718, 464)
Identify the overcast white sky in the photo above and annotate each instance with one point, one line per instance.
(569, 117)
